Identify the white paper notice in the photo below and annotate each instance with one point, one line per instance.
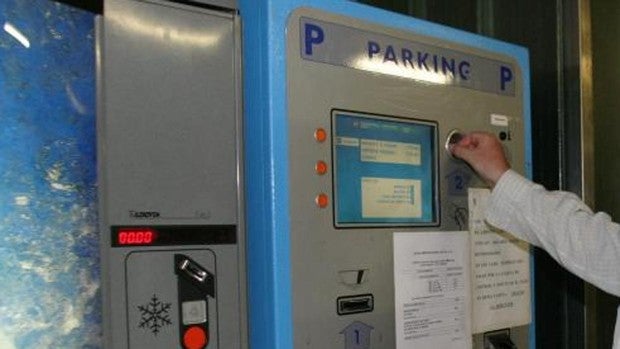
(432, 290)
(500, 272)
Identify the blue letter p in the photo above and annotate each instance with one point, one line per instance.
(314, 36)
(505, 76)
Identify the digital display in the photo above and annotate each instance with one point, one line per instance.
(136, 237)
(385, 170)
(173, 235)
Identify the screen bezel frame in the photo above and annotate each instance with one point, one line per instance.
(435, 222)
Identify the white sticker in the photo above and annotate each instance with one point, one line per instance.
(499, 120)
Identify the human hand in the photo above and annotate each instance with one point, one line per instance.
(483, 151)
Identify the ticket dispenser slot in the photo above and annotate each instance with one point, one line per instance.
(170, 174)
(355, 304)
(499, 339)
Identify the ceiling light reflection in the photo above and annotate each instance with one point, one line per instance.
(185, 36)
(16, 34)
(403, 71)
(75, 101)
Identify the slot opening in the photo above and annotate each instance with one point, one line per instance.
(355, 304)
(193, 270)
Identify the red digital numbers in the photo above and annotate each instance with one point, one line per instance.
(136, 237)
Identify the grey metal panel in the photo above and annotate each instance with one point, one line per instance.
(169, 134)
(152, 292)
(314, 89)
(167, 75)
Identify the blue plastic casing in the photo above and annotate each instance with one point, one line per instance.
(265, 105)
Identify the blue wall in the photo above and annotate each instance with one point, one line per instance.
(49, 264)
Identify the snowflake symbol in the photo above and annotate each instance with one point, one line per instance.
(154, 315)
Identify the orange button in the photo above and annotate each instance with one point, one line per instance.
(320, 135)
(322, 200)
(195, 337)
(320, 167)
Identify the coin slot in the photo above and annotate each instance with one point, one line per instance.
(454, 136)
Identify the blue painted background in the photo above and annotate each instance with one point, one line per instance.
(49, 264)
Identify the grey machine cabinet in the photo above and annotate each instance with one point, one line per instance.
(170, 175)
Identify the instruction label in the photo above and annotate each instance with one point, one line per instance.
(500, 272)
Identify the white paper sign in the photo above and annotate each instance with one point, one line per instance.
(500, 272)
(432, 290)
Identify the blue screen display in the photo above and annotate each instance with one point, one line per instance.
(384, 170)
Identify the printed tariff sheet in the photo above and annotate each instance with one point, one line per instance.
(432, 290)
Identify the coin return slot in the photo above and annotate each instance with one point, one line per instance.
(355, 304)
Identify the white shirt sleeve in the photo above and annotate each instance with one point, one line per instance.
(585, 243)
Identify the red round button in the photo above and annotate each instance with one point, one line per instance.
(320, 135)
(195, 337)
(320, 167)
(322, 200)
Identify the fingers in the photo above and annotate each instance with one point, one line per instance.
(458, 149)
(484, 153)
(465, 145)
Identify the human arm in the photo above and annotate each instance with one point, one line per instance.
(585, 243)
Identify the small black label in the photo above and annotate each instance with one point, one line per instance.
(144, 214)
